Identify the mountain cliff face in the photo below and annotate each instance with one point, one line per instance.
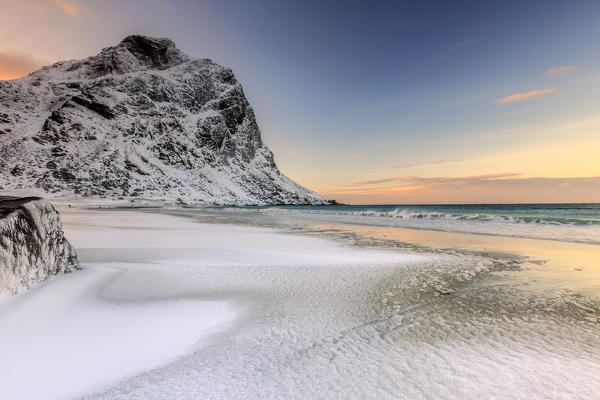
(32, 244)
(139, 120)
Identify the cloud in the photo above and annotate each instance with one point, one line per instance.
(416, 180)
(356, 155)
(434, 162)
(450, 49)
(461, 44)
(525, 96)
(71, 8)
(384, 180)
(558, 71)
(490, 188)
(15, 65)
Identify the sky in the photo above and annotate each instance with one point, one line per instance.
(377, 102)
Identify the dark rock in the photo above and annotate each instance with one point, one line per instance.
(101, 109)
(33, 247)
(17, 170)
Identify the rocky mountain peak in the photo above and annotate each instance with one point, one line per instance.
(139, 120)
(153, 52)
(137, 52)
(147, 44)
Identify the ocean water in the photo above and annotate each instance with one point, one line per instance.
(564, 222)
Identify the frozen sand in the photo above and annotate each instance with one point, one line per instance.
(67, 335)
(61, 338)
(317, 319)
(118, 316)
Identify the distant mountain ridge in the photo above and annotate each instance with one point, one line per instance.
(139, 120)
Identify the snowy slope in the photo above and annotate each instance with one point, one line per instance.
(139, 120)
(32, 244)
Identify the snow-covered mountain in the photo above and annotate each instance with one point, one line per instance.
(139, 120)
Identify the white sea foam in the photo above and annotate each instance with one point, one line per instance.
(569, 230)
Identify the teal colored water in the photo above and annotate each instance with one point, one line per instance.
(576, 214)
(564, 222)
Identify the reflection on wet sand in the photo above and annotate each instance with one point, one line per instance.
(550, 264)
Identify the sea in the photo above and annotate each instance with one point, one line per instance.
(575, 222)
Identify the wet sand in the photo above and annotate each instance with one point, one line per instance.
(550, 264)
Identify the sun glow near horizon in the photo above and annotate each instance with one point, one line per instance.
(565, 169)
(426, 120)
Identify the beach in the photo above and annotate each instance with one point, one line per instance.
(299, 200)
(238, 303)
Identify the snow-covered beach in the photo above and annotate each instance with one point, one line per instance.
(170, 306)
(299, 200)
(72, 333)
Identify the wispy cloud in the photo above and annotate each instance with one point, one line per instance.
(72, 8)
(356, 155)
(69, 7)
(491, 188)
(451, 48)
(434, 162)
(16, 65)
(558, 71)
(525, 96)
(460, 44)
(384, 180)
(417, 180)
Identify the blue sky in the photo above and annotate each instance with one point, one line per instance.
(345, 90)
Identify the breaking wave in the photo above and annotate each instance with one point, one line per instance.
(405, 214)
(569, 223)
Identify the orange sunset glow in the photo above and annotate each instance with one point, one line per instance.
(540, 124)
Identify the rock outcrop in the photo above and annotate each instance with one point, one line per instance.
(139, 120)
(32, 244)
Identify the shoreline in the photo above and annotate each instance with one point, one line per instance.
(305, 302)
(547, 263)
(360, 303)
(550, 264)
(553, 232)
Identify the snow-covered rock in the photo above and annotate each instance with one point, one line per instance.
(32, 244)
(139, 120)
